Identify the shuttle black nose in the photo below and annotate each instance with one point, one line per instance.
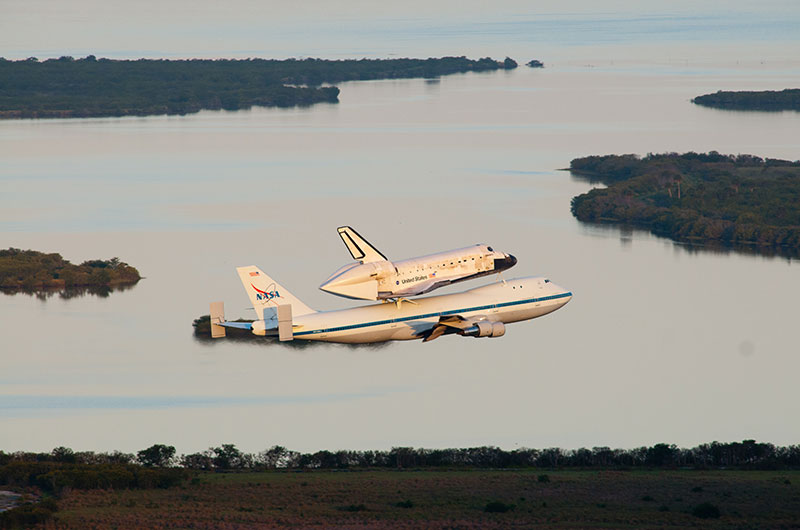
(505, 263)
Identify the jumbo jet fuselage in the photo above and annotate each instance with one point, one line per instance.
(500, 303)
(480, 312)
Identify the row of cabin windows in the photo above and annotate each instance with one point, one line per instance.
(445, 264)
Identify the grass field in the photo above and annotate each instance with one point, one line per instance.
(446, 499)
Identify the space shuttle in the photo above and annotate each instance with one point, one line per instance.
(373, 277)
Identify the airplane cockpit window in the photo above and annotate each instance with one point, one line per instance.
(490, 249)
(547, 281)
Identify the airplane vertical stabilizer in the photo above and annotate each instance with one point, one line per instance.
(264, 292)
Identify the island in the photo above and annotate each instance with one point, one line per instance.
(30, 271)
(91, 87)
(535, 63)
(766, 100)
(739, 201)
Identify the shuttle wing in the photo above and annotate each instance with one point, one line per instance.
(359, 247)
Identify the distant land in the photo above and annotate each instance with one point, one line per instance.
(767, 100)
(718, 485)
(91, 87)
(29, 270)
(535, 63)
(740, 201)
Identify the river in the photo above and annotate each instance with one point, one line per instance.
(661, 343)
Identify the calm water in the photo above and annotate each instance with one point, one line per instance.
(659, 344)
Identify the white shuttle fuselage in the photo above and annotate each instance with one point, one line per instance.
(373, 277)
(480, 312)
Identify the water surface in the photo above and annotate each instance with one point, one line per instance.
(660, 343)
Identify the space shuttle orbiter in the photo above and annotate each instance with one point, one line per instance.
(373, 277)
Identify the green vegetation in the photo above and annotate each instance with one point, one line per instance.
(736, 201)
(766, 100)
(706, 510)
(29, 513)
(744, 455)
(418, 487)
(29, 270)
(91, 87)
(440, 499)
(498, 507)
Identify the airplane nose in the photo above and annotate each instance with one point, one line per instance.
(566, 298)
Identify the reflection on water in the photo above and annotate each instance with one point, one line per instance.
(68, 293)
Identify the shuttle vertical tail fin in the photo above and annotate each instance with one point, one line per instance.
(359, 247)
(264, 292)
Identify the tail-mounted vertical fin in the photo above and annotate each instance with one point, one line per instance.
(359, 247)
(264, 292)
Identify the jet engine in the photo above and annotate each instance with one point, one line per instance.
(485, 328)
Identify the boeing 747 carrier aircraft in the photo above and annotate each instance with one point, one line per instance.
(480, 312)
(373, 277)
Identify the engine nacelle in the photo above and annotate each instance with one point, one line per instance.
(484, 328)
(498, 329)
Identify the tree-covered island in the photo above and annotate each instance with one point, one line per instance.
(765, 100)
(91, 87)
(29, 270)
(741, 201)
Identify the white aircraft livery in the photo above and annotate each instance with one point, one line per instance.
(480, 312)
(373, 277)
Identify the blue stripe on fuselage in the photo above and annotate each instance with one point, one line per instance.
(431, 315)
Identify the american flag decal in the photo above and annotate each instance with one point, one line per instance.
(254, 273)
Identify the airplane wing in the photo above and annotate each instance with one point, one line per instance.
(452, 324)
(359, 247)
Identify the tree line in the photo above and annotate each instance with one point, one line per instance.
(91, 87)
(747, 454)
(730, 199)
(32, 270)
